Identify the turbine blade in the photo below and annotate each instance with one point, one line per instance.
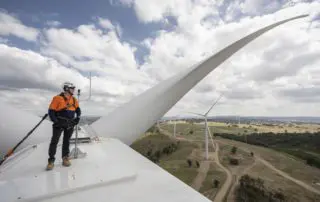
(214, 104)
(132, 119)
(195, 114)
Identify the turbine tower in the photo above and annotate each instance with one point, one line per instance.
(206, 125)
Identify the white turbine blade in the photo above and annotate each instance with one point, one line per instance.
(132, 119)
(214, 104)
(16, 123)
(195, 113)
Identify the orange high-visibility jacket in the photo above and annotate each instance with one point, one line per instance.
(65, 107)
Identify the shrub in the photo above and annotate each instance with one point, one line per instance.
(198, 164)
(216, 183)
(157, 154)
(189, 163)
(234, 161)
(234, 150)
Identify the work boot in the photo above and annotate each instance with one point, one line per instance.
(50, 166)
(66, 162)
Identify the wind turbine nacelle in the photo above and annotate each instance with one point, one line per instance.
(16, 123)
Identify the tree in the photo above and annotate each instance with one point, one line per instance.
(154, 158)
(280, 196)
(198, 164)
(189, 163)
(234, 161)
(165, 151)
(234, 150)
(216, 183)
(157, 154)
(174, 147)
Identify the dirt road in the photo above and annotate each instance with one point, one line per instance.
(231, 195)
(283, 174)
(225, 187)
(223, 191)
(202, 174)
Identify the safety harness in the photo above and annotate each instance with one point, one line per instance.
(66, 100)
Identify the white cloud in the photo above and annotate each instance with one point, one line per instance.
(3, 40)
(53, 23)
(37, 71)
(262, 79)
(256, 6)
(249, 75)
(31, 80)
(121, 2)
(88, 43)
(105, 23)
(10, 25)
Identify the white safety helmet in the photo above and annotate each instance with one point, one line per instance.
(67, 85)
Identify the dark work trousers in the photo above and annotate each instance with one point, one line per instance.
(56, 133)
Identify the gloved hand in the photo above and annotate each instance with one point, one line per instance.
(76, 120)
(60, 123)
(57, 124)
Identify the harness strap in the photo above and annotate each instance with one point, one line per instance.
(66, 100)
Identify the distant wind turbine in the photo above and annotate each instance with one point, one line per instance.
(206, 124)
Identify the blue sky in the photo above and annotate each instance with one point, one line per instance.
(70, 14)
(130, 45)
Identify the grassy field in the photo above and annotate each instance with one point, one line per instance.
(285, 162)
(176, 162)
(193, 149)
(244, 158)
(288, 138)
(217, 127)
(214, 173)
(272, 181)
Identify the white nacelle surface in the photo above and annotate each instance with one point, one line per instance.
(111, 171)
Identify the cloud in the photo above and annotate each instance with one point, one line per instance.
(31, 79)
(256, 6)
(88, 43)
(248, 76)
(53, 23)
(105, 23)
(301, 94)
(259, 80)
(90, 49)
(3, 40)
(10, 25)
(36, 71)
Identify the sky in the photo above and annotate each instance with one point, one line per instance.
(131, 45)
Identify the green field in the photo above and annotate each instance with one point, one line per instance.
(304, 146)
(214, 173)
(176, 162)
